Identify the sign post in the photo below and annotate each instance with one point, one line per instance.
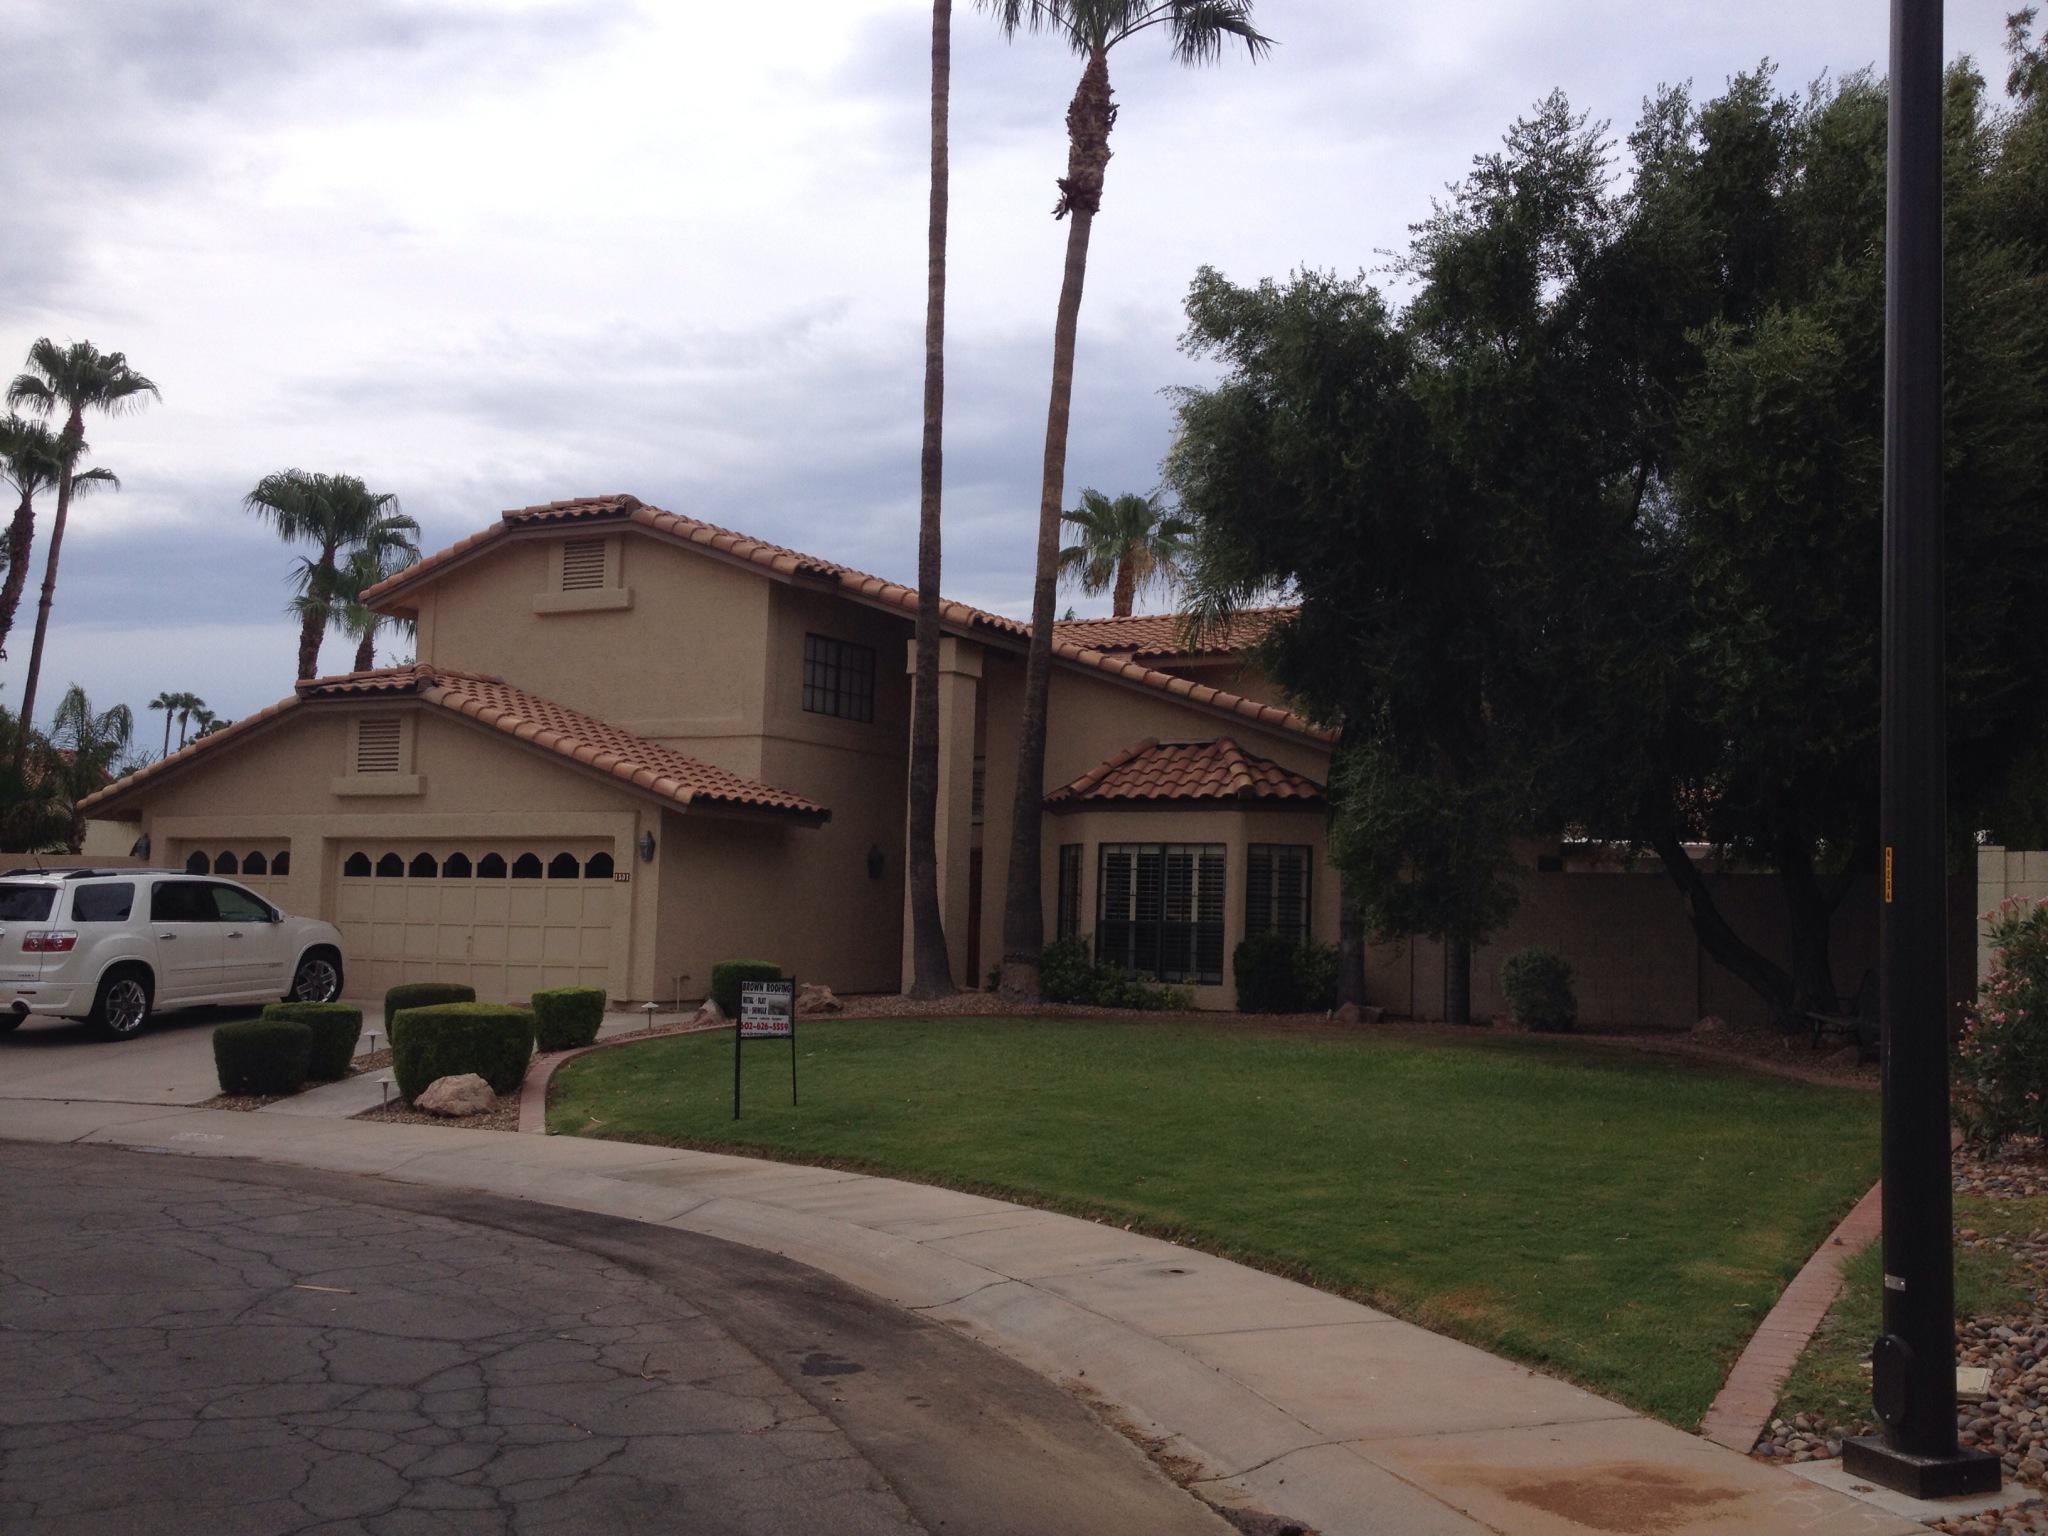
(767, 1012)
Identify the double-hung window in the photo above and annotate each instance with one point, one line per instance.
(1159, 911)
(1276, 884)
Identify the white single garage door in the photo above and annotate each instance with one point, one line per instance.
(506, 919)
(259, 865)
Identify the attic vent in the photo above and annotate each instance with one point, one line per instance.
(377, 746)
(582, 565)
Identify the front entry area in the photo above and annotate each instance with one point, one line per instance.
(507, 919)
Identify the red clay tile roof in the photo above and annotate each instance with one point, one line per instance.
(1163, 634)
(491, 701)
(1187, 770)
(1079, 652)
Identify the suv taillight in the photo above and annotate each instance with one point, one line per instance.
(48, 941)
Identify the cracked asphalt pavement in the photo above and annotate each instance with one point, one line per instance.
(234, 1349)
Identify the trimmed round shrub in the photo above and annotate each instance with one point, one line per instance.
(565, 1018)
(727, 975)
(1538, 984)
(1276, 974)
(424, 994)
(262, 1056)
(336, 1028)
(493, 1040)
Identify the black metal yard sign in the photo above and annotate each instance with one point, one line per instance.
(767, 1012)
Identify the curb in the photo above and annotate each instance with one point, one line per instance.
(533, 1093)
(1743, 1408)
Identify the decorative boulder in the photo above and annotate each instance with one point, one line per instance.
(457, 1096)
(1710, 1027)
(1353, 1013)
(812, 998)
(709, 1015)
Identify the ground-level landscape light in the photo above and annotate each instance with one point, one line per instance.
(384, 1088)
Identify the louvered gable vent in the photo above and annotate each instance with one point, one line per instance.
(582, 565)
(377, 746)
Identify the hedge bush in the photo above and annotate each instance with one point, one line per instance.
(1067, 973)
(493, 1040)
(2001, 1055)
(1538, 984)
(727, 975)
(424, 994)
(262, 1056)
(565, 1018)
(336, 1028)
(1276, 974)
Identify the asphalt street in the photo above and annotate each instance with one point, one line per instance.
(237, 1349)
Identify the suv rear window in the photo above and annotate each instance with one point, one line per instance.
(26, 903)
(103, 903)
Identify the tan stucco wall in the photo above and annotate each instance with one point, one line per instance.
(277, 787)
(685, 665)
(2005, 874)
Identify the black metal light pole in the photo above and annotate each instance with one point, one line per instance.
(1913, 1366)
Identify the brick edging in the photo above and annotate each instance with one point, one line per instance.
(533, 1093)
(1743, 1408)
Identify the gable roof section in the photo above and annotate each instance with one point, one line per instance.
(1187, 770)
(490, 701)
(1082, 653)
(1154, 635)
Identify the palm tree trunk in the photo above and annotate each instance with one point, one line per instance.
(21, 539)
(167, 733)
(366, 651)
(1089, 118)
(1126, 585)
(931, 968)
(74, 435)
(313, 627)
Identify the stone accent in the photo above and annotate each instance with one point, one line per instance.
(455, 1097)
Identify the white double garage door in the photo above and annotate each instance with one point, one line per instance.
(506, 919)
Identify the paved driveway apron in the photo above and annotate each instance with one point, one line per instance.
(229, 1349)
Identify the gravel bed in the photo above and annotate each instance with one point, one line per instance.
(504, 1116)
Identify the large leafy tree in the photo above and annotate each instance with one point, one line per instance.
(1198, 32)
(338, 514)
(31, 462)
(90, 748)
(67, 382)
(931, 967)
(1123, 545)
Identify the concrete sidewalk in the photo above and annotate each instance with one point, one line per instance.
(1305, 1404)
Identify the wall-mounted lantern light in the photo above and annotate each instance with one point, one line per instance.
(141, 848)
(646, 847)
(874, 862)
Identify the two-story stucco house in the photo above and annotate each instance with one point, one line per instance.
(634, 745)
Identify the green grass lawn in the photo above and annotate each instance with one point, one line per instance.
(1830, 1378)
(1621, 1219)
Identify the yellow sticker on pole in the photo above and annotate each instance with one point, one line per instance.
(1887, 873)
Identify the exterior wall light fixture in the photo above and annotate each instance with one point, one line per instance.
(141, 848)
(646, 847)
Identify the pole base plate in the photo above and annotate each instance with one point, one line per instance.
(1921, 1477)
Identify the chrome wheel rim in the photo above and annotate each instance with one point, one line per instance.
(317, 982)
(127, 1006)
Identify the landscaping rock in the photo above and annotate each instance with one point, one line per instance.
(813, 998)
(1352, 1013)
(709, 1014)
(1847, 1056)
(456, 1097)
(1709, 1027)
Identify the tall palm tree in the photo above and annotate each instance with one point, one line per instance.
(90, 745)
(364, 568)
(168, 703)
(31, 461)
(931, 968)
(189, 704)
(1124, 546)
(338, 513)
(70, 381)
(1198, 31)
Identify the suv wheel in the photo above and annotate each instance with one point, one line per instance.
(318, 978)
(122, 1005)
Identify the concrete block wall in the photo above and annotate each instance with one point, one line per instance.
(2005, 874)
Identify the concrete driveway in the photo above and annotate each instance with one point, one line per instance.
(169, 1062)
(238, 1350)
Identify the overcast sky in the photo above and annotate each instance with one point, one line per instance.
(486, 253)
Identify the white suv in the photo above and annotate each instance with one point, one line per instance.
(113, 945)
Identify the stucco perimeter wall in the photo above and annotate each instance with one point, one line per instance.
(1632, 948)
(2005, 874)
(683, 663)
(1091, 719)
(277, 787)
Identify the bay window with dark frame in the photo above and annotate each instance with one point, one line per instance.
(1159, 910)
(1276, 890)
(1068, 922)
